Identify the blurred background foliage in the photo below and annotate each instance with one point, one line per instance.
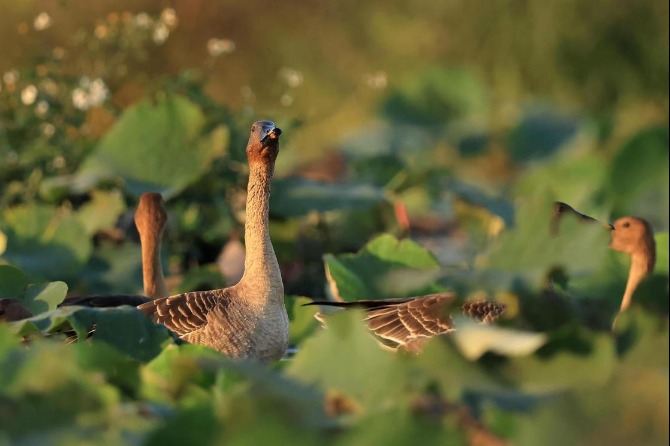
(423, 145)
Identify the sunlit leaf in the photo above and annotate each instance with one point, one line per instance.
(567, 177)
(175, 374)
(385, 267)
(476, 339)
(46, 242)
(102, 211)
(41, 297)
(154, 147)
(127, 329)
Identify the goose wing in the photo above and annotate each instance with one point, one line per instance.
(402, 321)
(187, 312)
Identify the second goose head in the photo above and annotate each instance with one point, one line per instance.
(150, 219)
(635, 237)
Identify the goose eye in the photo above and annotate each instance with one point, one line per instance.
(626, 225)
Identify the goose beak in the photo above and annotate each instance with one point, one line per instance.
(269, 131)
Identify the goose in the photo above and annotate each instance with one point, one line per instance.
(417, 318)
(150, 219)
(635, 237)
(248, 319)
(408, 323)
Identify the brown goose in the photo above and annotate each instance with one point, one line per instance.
(410, 322)
(150, 219)
(248, 319)
(635, 237)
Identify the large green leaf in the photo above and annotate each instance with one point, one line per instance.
(115, 269)
(630, 408)
(36, 297)
(45, 396)
(385, 267)
(102, 211)
(530, 250)
(639, 179)
(46, 242)
(41, 297)
(404, 427)
(13, 282)
(127, 329)
(539, 374)
(571, 177)
(157, 147)
(345, 359)
(176, 375)
(292, 197)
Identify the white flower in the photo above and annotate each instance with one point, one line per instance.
(98, 92)
(286, 100)
(169, 17)
(377, 80)
(49, 129)
(42, 108)
(42, 21)
(89, 93)
(143, 20)
(29, 94)
(80, 99)
(292, 77)
(161, 33)
(59, 162)
(217, 47)
(11, 77)
(100, 31)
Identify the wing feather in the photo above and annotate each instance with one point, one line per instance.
(187, 312)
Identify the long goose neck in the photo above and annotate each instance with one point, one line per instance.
(642, 263)
(261, 269)
(152, 272)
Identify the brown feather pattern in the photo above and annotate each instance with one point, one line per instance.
(402, 322)
(187, 312)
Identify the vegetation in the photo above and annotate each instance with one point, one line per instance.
(423, 145)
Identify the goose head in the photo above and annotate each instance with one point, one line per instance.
(151, 215)
(633, 235)
(263, 145)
